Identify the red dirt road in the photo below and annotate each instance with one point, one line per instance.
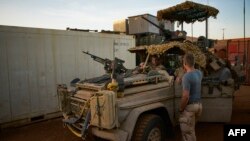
(53, 130)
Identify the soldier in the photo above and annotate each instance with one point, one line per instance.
(179, 72)
(138, 69)
(238, 69)
(155, 64)
(190, 106)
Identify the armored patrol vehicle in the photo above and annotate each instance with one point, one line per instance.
(142, 104)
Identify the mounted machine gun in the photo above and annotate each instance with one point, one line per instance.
(108, 63)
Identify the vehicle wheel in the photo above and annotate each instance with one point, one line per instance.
(149, 128)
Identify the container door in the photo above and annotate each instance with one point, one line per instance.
(120, 49)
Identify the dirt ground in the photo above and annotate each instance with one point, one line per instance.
(53, 130)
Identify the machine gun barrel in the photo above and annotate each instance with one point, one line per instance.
(96, 58)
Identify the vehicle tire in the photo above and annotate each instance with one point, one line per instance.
(149, 128)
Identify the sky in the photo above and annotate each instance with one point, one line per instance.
(100, 14)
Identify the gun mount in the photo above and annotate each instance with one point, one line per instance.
(178, 35)
(166, 33)
(119, 68)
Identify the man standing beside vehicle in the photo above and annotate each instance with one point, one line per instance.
(190, 106)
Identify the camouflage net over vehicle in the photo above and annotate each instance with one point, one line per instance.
(185, 46)
(188, 12)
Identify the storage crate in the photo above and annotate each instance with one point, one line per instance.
(137, 25)
(121, 25)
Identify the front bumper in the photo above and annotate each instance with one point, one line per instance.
(113, 134)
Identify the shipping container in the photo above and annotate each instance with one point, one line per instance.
(33, 61)
(240, 48)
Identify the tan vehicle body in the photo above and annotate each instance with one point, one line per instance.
(116, 118)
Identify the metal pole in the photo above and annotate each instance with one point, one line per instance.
(244, 12)
(207, 32)
(192, 31)
(223, 29)
(207, 28)
(114, 44)
(244, 29)
(182, 26)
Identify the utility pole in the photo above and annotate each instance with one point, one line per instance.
(223, 29)
(244, 30)
(244, 20)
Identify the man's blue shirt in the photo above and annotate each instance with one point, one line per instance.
(191, 82)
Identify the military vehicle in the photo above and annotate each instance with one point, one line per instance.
(137, 106)
(142, 104)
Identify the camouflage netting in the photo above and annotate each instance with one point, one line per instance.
(187, 47)
(188, 12)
